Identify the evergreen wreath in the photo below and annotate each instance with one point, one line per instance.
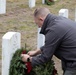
(18, 67)
(49, 2)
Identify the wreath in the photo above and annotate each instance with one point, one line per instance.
(18, 67)
(49, 2)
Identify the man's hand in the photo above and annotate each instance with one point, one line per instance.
(33, 53)
(25, 57)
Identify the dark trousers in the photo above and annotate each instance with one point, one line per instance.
(68, 72)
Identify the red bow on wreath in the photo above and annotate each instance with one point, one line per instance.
(55, 72)
(51, 0)
(27, 64)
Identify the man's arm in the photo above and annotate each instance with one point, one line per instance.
(51, 42)
(47, 51)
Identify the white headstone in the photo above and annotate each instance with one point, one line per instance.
(40, 39)
(75, 14)
(63, 12)
(55, 0)
(2, 6)
(31, 3)
(10, 43)
(43, 1)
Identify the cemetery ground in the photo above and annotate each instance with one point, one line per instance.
(19, 18)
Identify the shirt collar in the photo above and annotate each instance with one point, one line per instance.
(49, 19)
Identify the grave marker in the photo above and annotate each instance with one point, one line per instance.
(31, 3)
(75, 14)
(43, 1)
(11, 41)
(63, 12)
(2, 6)
(40, 39)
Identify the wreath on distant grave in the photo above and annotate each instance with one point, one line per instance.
(18, 67)
(49, 2)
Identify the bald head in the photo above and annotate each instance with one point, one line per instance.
(43, 12)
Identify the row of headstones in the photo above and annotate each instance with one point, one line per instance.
(11, 41)
(3, 5)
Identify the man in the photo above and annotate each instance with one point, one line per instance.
(60, 40)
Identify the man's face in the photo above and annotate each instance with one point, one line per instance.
(39, 21)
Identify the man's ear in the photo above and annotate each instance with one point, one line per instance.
(41, 19)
